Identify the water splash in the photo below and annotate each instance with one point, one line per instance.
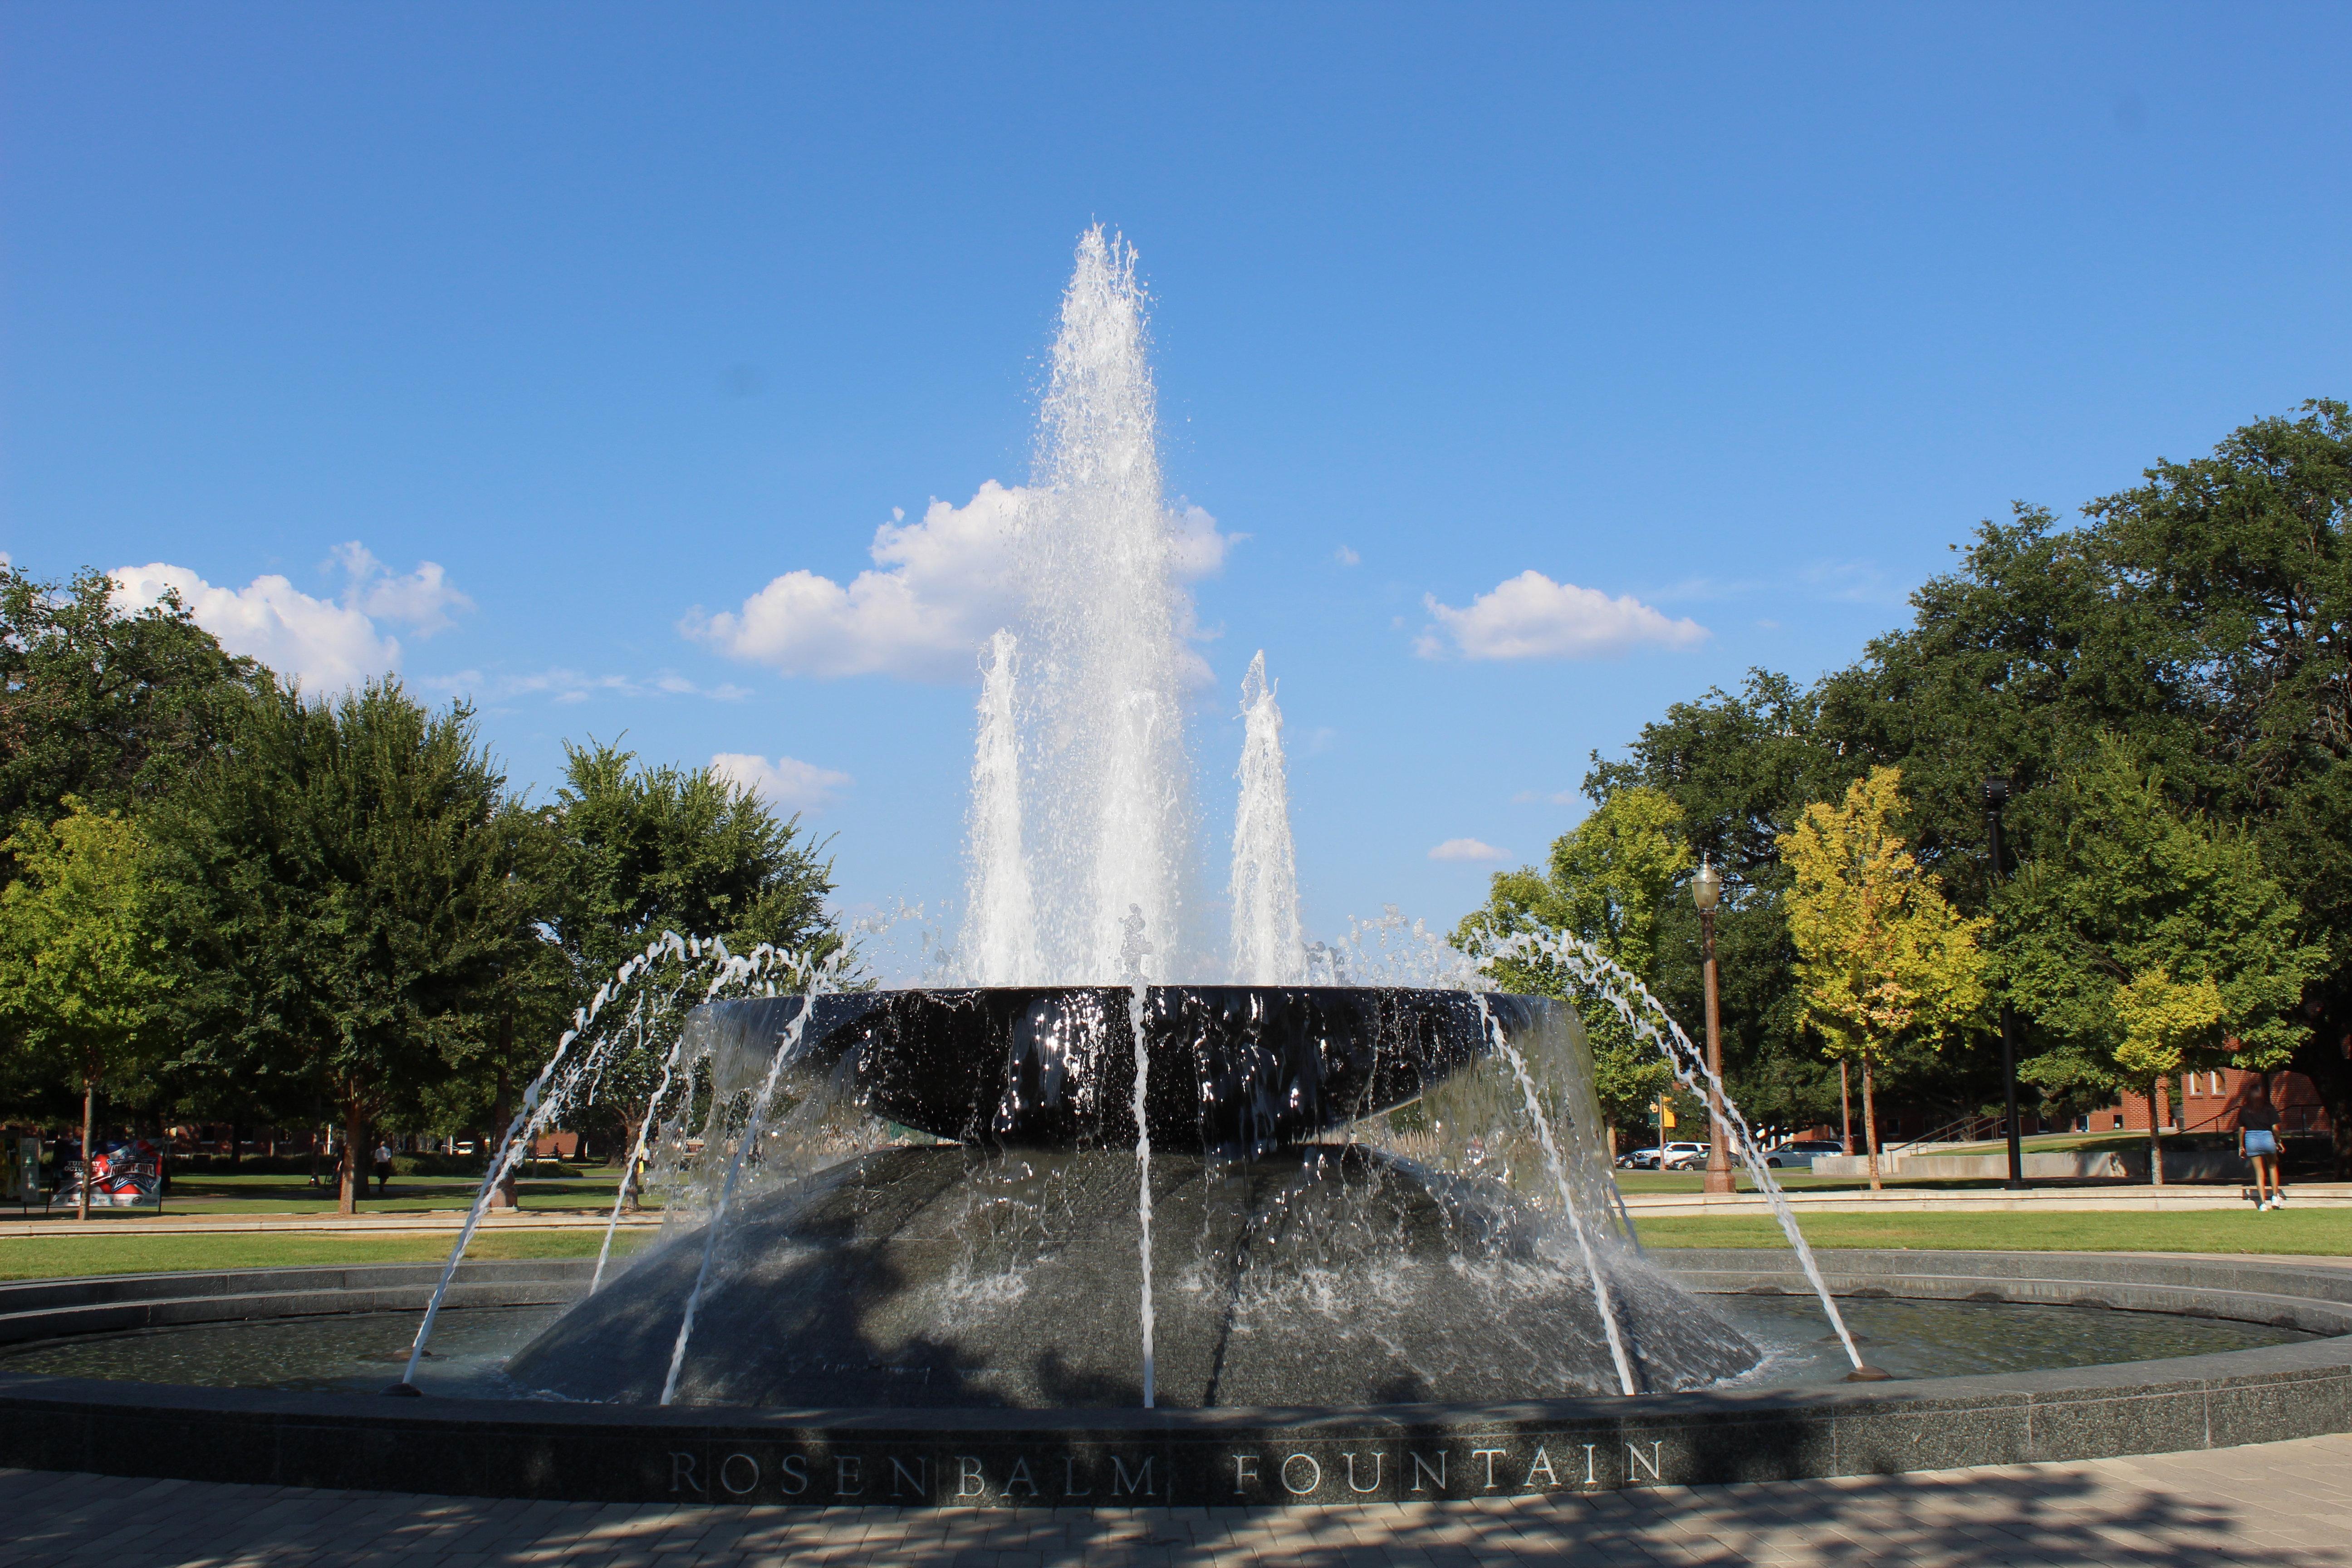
(1138, 994)
(637, 1154)
(1103, 781)
(537, 1108)
(1267, 949)
(1558, 1170)
(1001, 924)
(1647, 1017)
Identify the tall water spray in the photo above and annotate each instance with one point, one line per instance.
(1102, 785)
(1004, 923)
(1267, 949)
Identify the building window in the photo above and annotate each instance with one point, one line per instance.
(2119, 1121)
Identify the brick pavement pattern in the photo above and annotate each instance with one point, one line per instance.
(2282, 1505)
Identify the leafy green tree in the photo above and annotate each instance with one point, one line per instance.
(2239, 564)
(2010, 663)
(100, 705)
(646, 851)
(80, 969)
(1882, 958)
(1607, 882)
(2113, 938)
(339, 887)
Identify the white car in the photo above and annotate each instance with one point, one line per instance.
(1683, 1157)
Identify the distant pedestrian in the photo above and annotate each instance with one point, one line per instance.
(382, 1169)
(2258, 1141)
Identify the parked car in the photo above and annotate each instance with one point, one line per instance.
(1638, 1160)
(1800, 1151)
(1684, 1156)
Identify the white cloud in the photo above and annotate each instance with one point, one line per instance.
(787, 783)
(1467, 849)
(1531, 617)
(325, 644)
(422, 601)
(1545, 798)
(1197, 548)
(939, 588)
(1347, 557)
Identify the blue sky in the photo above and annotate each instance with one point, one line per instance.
(575, 320)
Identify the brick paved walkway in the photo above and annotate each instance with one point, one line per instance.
(2283, 1505)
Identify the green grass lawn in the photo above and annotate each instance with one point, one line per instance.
(1797, 1181)
(53, 1258)
(2310, 1232)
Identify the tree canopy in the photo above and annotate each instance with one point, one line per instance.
(340, 885)
(103, 706)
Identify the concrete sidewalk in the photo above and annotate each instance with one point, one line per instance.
(2280, 1505)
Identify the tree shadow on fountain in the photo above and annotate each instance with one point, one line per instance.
(946, 1276)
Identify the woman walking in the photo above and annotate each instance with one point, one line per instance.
(2258, 1141)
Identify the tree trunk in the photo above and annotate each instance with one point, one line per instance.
(2155, 1135)
(1846, 1107)
(630, 1128)
(502, 1114)
(355, 1152)
(236, 1137)
(1870, 1121)
(88, 1163)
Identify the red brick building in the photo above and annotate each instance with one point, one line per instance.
(2210, 1102)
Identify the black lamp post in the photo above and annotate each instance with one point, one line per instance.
(1706, 888)
(1996, 796)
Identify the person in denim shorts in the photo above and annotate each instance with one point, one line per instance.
(2258, 1141)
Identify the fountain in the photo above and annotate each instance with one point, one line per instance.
(1151, 1193)
(1118, 1207)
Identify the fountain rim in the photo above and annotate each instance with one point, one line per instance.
(553, 1448)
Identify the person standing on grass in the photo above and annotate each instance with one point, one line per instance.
(2258, 1141)
(382, 1169)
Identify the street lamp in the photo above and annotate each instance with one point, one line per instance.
(1706, 888)
(1996, 796)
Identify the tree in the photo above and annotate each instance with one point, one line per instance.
(1740, 766)
(78, 970)
(1606, 883)
(654, 849)
(2143, 939)
(100, 705)
(1882, 957)
(338, 885)
(2239, 562)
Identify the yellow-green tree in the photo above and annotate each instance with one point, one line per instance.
(78, 976)
(2161, 1017)
(1881, 957)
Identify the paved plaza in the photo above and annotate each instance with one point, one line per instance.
(2279, 1504)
